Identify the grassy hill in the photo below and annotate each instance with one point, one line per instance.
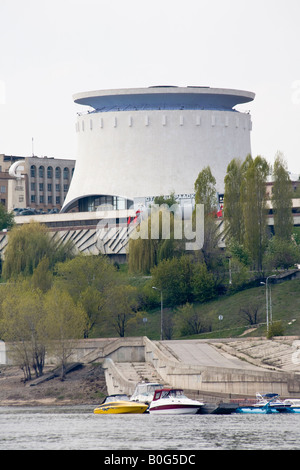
(285, 307)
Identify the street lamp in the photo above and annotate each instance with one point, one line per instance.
(161, 312)
(268, 310)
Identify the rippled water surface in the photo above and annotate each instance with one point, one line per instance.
(57, 428)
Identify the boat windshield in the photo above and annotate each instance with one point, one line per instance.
(112, 398)
(171, 394)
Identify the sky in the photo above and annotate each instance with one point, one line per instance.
(52, 49)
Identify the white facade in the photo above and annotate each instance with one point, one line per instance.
(154, 141)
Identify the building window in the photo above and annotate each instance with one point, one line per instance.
(32, 186)
(32, 171)
(57, 199)
(49, 186)
(41, 172)
(33, 198)
(41, 186)
(50, 172)
(41, 199)
(66, 187)
(57, 188)
(3, 189)
(66, 173)
(49, 199)
(57, 172)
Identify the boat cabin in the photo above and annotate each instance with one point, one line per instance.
(168, 393)
(144, 391)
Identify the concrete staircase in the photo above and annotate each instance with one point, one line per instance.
(282, 354)
(139, 372)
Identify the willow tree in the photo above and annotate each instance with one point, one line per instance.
(253, 197)
(142, 250)
(155, 239)
(27, 245)
(282, 199)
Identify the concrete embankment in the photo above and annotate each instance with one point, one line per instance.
(223, 369)
(205, 368)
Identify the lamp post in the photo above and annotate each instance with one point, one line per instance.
(229, 268)
(268, 301)
(161, 312)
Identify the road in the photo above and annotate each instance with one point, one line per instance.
(205, 354)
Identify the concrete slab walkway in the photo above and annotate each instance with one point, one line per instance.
(205, 354)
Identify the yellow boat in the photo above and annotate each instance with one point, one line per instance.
(120, 404)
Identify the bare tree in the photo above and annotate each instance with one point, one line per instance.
(250, 312)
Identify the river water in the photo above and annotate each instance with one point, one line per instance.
(78, 428)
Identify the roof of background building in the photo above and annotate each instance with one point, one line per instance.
(163, 97)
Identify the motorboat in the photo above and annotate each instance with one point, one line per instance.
(173, 401)
(120, 404)
(293, 404)
(144, 392)
(266, 404)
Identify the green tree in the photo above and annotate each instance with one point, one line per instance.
(6, 218)
(22, 325)
(155, 239)
(205, 190)
(281, 253)
(233, 209)
(169, 200)
(173, 277)
(254, 208)
(88, 279)
(190, 321)
(183, 280)
(142, 252)
(282, 195)
(205, 193)
(121, 307)
(27, 246)
(202, 283)
(42, 277)
(65, 322)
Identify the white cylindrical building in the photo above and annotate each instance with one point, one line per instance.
(149, 142)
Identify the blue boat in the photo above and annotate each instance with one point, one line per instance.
(266, 404)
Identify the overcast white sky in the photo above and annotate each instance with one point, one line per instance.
(51, 49)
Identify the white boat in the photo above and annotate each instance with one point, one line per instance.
(293, 404)
(266, 404)
(173, 401)
(144, 392)
(269, 399)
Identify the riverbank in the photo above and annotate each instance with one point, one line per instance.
(85, 385)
